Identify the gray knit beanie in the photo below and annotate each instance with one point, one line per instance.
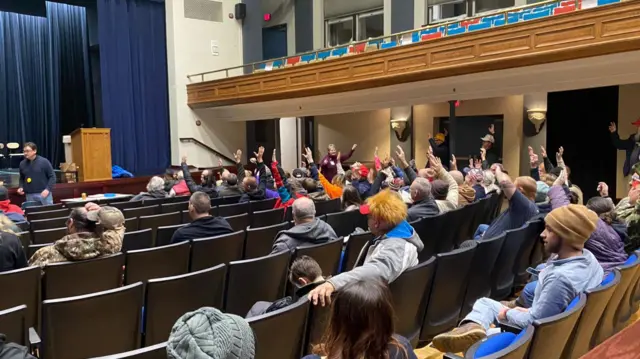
(207, 333)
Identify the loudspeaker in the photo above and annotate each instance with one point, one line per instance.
(241, 11)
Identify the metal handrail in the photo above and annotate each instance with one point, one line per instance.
(397, 37)
(207, 147)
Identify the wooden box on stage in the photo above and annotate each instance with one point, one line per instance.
(91, 148)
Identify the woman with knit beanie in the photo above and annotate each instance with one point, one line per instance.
(570, 271)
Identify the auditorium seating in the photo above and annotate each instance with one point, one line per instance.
(158, 220)
(174, 207)
(25, 290)
(209, 252)
(165, 233)
(43, 224)
(140, 211)
(501, 345)
(166, 261)
(326, 254)
(287, 341)
(267, 217)
(48, 235)
(259, 241)
(502, 277)
(239, 222)
(354, 247)
(344, 223)
(229, 210)
(158, 351)
(13, 324)
(326, 207)
(68, 279)
(523, 259)
(429, 229)
(48, 214)
(257, 206)
(142, 239)
(126, 205)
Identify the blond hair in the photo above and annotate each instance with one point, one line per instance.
(528, 185)
(388, 207)
(7, 225)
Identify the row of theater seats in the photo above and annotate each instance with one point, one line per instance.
(434, 32)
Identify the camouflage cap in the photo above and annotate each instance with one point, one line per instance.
(108, 217)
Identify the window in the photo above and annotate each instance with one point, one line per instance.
(447, 11)
(489, 5)
(370, 25)
(340, 31)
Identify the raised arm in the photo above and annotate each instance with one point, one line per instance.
(617, 142)
(534, 162)
(343, 158)
(452, 194)
(505, 183)
(557, 194)
(193, 187)
(239, 167)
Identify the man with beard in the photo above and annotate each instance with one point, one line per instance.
(328, 163)
(571, 270)
(631, 145)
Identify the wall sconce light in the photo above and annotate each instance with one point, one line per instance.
(400, 127)
(537, 117)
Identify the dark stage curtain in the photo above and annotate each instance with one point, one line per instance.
(44, 77)
(133, 61)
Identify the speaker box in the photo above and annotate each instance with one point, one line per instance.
(241, 11)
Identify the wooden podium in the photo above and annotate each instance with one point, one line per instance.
(91, 148)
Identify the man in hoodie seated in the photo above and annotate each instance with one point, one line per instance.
(13, 212)
(424, 205)
(466, 193)
(393, 250)
(203, 225)
(570, 271)
(155, 190)
(305, 275)
(308, 229)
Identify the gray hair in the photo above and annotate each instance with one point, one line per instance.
(457, 175)
(155, 184)
(421, 189)
(200, 202)
(303, 208)
(488, 179)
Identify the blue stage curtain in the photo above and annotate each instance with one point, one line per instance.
(44, 77)
(133, 61)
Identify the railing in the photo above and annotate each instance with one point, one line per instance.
(207, 147)
(444, 29)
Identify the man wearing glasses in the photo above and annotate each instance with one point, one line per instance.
(36, 176)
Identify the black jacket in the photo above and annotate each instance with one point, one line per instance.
(149, 195)
(424, 208)
(226, 190)
(207, 188)
(202, 228)
(11, 253)
(260, 308)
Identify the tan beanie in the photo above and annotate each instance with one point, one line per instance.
(573, 223)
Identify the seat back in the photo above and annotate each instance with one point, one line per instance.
(165, 233)
(259, 241)
(159, 220)
(77, 327)
(552, 333)
(523, 260)
(607, 324)
(70, 279)
(126, 205)
(48, 235)
(235, 209)
(318, 321)
(354, 247)
(430, 231)
(37, 216)
(344, 223)
(158, 351)
(280, 334)
(48, 223)
(447, 235)
(326, 207)
(447, 293)
(13, 324)
(502, 276)
(229, 200)
(484, 260)
(580, 341)
(131, 224)
(259, 279)
(263, 205)
(155, 201)
(46, 208)
(239, 222)
(326, 254)
(33, 248)
(159, 262)
(167, 299)
(142, 239)
(625, 309)
(174, 207)
(212, 251)
(503, 345)
(22, 287)
(465, 214)
(267, 217)
(411, 292)
(141, 211)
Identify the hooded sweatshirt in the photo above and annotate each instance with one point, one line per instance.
(150, 195)
(7, 207)
(79, 246)
(202, 228)
(558, 284)
(306, 234)
(466, 194)
(385, 257)
(255, 195)
(423, 208)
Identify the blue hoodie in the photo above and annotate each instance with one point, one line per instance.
(558, 284)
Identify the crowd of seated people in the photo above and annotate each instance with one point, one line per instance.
(583, 242)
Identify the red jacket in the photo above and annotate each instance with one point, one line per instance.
(7, 207)
(286, 199)
(181, 188)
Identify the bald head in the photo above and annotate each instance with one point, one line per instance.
(250, 184)
(457, 175)
(303, 210)
(420, 189)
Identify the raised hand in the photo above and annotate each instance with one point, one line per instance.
(375, 152)
(429, 136)
(603, 189)
(562, 179)
(435, 163)
(492, 129)
(453, 162)
(470, 162)
(237, 156)
(338, 159)
(400, 155)
(483, 154)
(386, 161)
(533, 158)
(430, 150)
(309, 155)
(273, 156)
(612, 127)
(184, 159)
(559, 154)
(354, 146)
(543, 152)
(220, 164)
(259, 154)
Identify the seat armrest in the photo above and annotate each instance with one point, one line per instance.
(451, 356)
(507, 327)
(34, 342)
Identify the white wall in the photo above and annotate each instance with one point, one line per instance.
(318, 24)
(289, 143)
(189, 52)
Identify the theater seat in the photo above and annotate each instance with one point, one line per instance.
(280, 334)
(158, 351)
(158, 262)
(165, 233)
(430, 230)
(159, 220)
(484, 260)
(502, 277)
(267, 217)
(141, 211)
(25, 290)
(239, 222)
(523, 259)
(263, 205)
(48, 235)
(354, 248)
(174, 207)
(259, 241)
(326, 254)
(597, 299)
(13, 325)
(502, 345)
(137, 240)
(31, 210)
(326, 207)
(229, 210)
(212, 251)
(51, 223)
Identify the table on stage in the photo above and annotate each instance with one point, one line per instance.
(97, 198)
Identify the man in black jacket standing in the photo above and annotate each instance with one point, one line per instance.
(203, 225)
(36, 176)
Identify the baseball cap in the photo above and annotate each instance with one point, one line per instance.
(439, 136)
(108, 217)
(364, 209)
(636, 123)
(298, 173)
(488, 138)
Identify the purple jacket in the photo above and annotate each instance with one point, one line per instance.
(605, 243)
(328, 164)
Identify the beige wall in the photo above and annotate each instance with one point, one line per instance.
(510, 107)
(367, 129)
(628, 112)
(189, 52)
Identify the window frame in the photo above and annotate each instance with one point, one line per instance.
(365, 15)
(355, 19)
